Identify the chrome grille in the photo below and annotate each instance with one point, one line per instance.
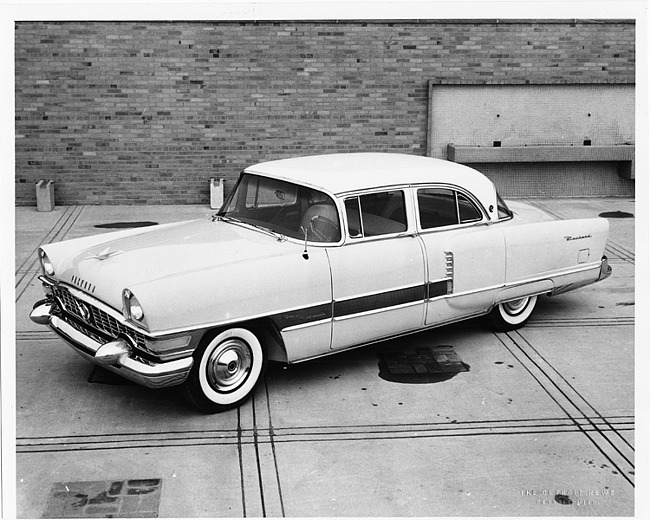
(86, 331)
(96, 318)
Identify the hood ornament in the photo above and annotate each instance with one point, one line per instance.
(106, 253)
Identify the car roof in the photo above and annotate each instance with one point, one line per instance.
(346, 172)
(342, 173)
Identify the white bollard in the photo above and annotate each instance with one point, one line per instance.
(45, 195)
(216, 193)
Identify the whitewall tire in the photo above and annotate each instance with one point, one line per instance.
(513, 314)
(228, 364)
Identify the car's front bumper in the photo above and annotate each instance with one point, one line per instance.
(116, 355)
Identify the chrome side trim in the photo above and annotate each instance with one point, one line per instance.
(547, 276)
(389, 337)
(449, 264)
(306, 325)
(159, 334)
(453, 295)
(378, 311)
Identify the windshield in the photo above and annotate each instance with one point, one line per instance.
(283, 207)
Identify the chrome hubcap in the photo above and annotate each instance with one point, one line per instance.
(229, 365)
(515, 306)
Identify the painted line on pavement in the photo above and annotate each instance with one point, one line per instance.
(64, 217)
(241, 464)
(250, 438)
(272, 445)
(578, 395)
(618, 252)
(58, 232)
(621, 321)
(620, 455)
(544, 208)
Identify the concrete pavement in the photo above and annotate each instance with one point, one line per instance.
(542, 423)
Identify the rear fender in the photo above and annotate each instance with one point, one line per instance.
(552, 247)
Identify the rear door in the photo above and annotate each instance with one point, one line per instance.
(465, 256)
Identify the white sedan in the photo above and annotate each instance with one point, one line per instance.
(309, 256)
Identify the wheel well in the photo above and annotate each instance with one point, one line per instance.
(269, 336)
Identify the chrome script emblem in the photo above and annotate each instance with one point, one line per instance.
(106, 253)
(569, 238)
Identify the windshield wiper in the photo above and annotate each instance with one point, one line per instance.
(233, 220)
(223, 218)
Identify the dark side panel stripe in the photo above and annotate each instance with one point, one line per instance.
(441, 288)
(379, 301)
(338, 309)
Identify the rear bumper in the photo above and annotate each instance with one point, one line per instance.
(582, 278)
(117, 355)
(605, 269)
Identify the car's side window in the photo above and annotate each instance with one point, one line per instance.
(439, 207)
(376, 214)
(467, 211)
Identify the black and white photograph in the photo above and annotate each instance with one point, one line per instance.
(322, 259)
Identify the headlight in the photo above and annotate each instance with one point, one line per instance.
(132, 308)
(46, 265)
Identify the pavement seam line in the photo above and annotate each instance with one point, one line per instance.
(579, 396)
(241, 462)
(620, 252)
(273, 452)
(57, 225)
(318, 434)
(565, 402)
(616, 321)
(257, 458)
(31, 273)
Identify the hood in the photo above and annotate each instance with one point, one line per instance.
(105, 265)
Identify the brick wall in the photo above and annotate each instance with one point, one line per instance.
(138, 113)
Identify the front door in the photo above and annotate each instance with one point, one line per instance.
(378, 276)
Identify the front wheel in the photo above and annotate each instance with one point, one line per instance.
(513, 314)
(228, 364)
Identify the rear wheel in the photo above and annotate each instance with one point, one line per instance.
(513, 314)
(228, 364)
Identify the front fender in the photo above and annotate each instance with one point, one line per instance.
(236, 292)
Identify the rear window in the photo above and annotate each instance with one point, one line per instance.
(439, 207)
